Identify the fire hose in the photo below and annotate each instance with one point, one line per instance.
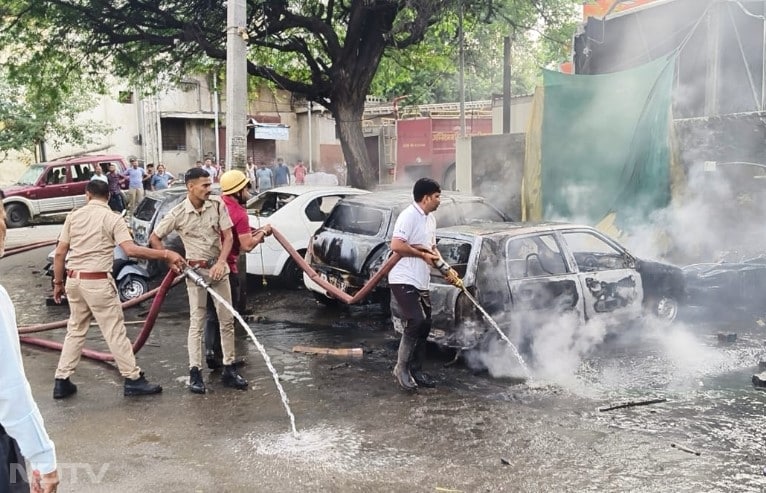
(171, 280)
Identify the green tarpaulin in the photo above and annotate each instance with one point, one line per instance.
(605, 144)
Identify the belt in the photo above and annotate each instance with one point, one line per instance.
(204, 264)
(87, 275)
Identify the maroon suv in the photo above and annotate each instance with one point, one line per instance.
(54, 187)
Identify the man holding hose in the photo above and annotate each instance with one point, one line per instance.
(414, 238)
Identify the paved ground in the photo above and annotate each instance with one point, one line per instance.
(358, 432)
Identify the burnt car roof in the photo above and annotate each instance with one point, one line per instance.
(509, 228)
(402, 197)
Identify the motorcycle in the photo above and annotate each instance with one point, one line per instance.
(132, 279)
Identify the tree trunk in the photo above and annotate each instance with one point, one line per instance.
(348, 121)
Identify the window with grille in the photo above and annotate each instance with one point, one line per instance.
(173, 134)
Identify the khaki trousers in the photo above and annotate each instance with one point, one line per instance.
(197, 312)
(135, 196)
(97, 299)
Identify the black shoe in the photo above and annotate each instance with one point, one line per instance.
(231, 378)
(140, 386)
(196, 385)
(63, 388)
(213, 362)
(423, 379)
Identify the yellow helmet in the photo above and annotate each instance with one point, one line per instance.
(233, 181)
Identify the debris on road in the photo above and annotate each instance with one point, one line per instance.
(759, 380)
(356, 352)
(505, 461)
(342, 365)
(632, 404)
(727, 338)
(685, 449)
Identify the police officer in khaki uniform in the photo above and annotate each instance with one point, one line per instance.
(89, 236)
(205, 229)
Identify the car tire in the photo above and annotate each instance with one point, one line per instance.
(291, 276)
(16, 215)
(131, 287)
(664, 308)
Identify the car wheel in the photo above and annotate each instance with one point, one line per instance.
(131, 287)
(292, 275)
(665, 308)
(16, 215)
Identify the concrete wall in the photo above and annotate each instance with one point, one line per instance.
(521, 110)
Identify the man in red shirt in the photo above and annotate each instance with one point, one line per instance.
(300, 173)
(234, 191)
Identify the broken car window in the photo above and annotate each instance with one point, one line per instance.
(593, 253)
(534, 256)
(356, 219)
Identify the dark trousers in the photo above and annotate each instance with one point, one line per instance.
(413, 307)
(212, 329)
(116, 202)
(13, 476)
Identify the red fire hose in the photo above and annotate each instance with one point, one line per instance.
(171, 280)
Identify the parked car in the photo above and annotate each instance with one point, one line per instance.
(727, 289)
(533, 271)
(54, 187)
(296, 211)
(352, 243)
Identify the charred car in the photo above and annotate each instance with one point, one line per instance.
(727, 289)
(533, 271)
(352, 243)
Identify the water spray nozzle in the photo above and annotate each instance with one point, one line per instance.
(196, 277)
(449, 273)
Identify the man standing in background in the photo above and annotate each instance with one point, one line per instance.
(208, 166)
(116, 199)
(300, 173)
(281, 173)
(135, 176)
(264, 177)
(98, 174)
(161, 180)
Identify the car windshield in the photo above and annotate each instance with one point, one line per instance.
(31, 175)
(355, 219)
(146, 209)
(267, 203)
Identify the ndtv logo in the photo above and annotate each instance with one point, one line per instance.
(70, 474)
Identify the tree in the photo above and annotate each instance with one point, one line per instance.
(44, 87)
(327, 50)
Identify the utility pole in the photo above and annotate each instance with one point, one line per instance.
(461, 72)
(507, 85)
(236, 109)
(236, 85)
(311, 139)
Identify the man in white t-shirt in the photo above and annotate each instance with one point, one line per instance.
(414, 238)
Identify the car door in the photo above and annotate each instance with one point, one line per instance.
(610, 284)
(542, 282)
(55, 190)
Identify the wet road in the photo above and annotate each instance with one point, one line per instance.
(358, 432)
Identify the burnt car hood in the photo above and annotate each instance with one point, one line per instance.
(345, 252)
(727, 285)
(660, 279)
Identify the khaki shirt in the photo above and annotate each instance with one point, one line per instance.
(92, 233)
(200, 230)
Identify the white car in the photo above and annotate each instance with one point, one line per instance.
(296, 211)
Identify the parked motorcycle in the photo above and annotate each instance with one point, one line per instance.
(132, 279)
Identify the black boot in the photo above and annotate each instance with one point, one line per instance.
(196, 385)
(63, 388)
(232, 378)
(213, 361)
(404, 357)
(140, 386)
(421, 378)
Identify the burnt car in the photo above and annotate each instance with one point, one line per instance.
(727, 289)
(525, 272)
(353, 242)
